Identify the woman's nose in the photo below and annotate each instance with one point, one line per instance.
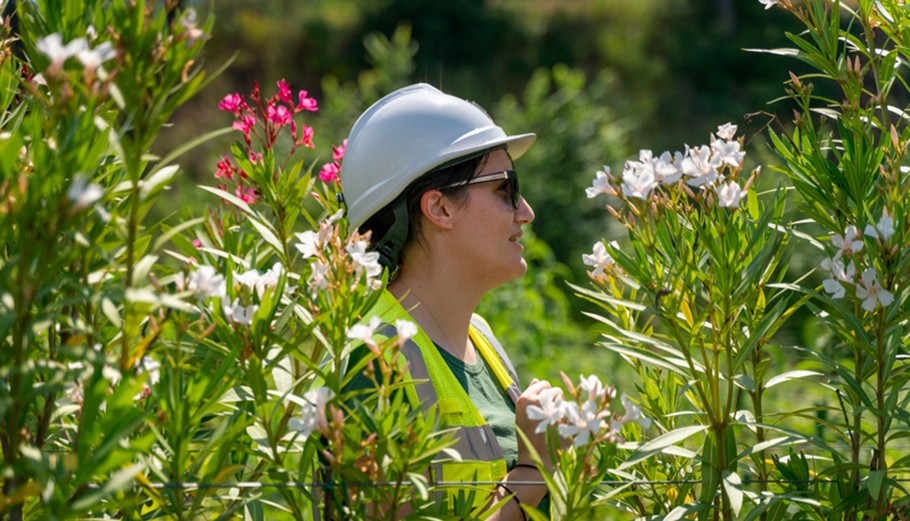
(524, 213)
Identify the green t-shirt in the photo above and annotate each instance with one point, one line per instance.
(490, 399)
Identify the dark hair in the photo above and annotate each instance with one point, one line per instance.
(463, 170)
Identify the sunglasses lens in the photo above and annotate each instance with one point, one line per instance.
(513, 186)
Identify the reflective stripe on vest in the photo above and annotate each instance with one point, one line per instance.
(482, 457)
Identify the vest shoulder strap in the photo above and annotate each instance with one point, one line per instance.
(495, 356)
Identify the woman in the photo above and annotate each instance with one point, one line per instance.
(431, 177)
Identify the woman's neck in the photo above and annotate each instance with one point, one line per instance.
(442, 306)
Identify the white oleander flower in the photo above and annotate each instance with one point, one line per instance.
(365, 332)
(238, 313)
(633, 413)
(52, 47)
(583, 422)
(638, 180)
(599, 259)
(601, 184)
(870, 291)
(847, 243)
(91, 59)
(729, 195)
(312, 414)
(700, 166)
(727, 131)
(593, 387)
(206, 282)
(666, 170)
(884, 230)
(406, 331)
(728, 152)
(364, 260)
(550, 410)
(82, 193)
(318, 277)
(309, 244)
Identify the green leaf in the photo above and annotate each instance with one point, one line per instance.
(660, 443)
(159, 177)
(875, 481)
(117, 482)
(733, 487)
(267, 234)
(166, 236)
(790, 375)
(781, 51)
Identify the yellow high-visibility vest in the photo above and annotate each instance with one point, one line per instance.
(482, 457)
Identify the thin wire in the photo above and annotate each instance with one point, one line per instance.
(316, 484)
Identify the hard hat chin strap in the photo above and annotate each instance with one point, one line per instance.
(391, 244)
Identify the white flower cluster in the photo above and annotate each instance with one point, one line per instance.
(701, 167)
(205, 282)
(405, 330)
(52, 46)
(317, 245)
(312, 414)
(83, 371)
(584, 419)
(868, 289)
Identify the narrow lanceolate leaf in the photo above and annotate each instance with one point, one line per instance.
(158, 178)
(790, 375)
(781, 51)
(661, 442)
(733, 487)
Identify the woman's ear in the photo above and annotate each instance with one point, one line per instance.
(437, 209)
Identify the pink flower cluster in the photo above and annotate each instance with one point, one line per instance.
(330, 171)
(265, 120)
(261, 124)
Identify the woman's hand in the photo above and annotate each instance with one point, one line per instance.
(532, 396)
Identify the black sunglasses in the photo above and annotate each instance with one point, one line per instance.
(506, 175)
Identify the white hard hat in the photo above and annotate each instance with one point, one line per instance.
(407, 134)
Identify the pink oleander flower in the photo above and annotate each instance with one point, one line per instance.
(338, 152)
(329, 172)
(231, 103)
(306, 137)
(197, 243)
(225, 169)
(255, 157)
(245, 124)
(305, 103)
(278, 114)
(247, 194)
(284, 92)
